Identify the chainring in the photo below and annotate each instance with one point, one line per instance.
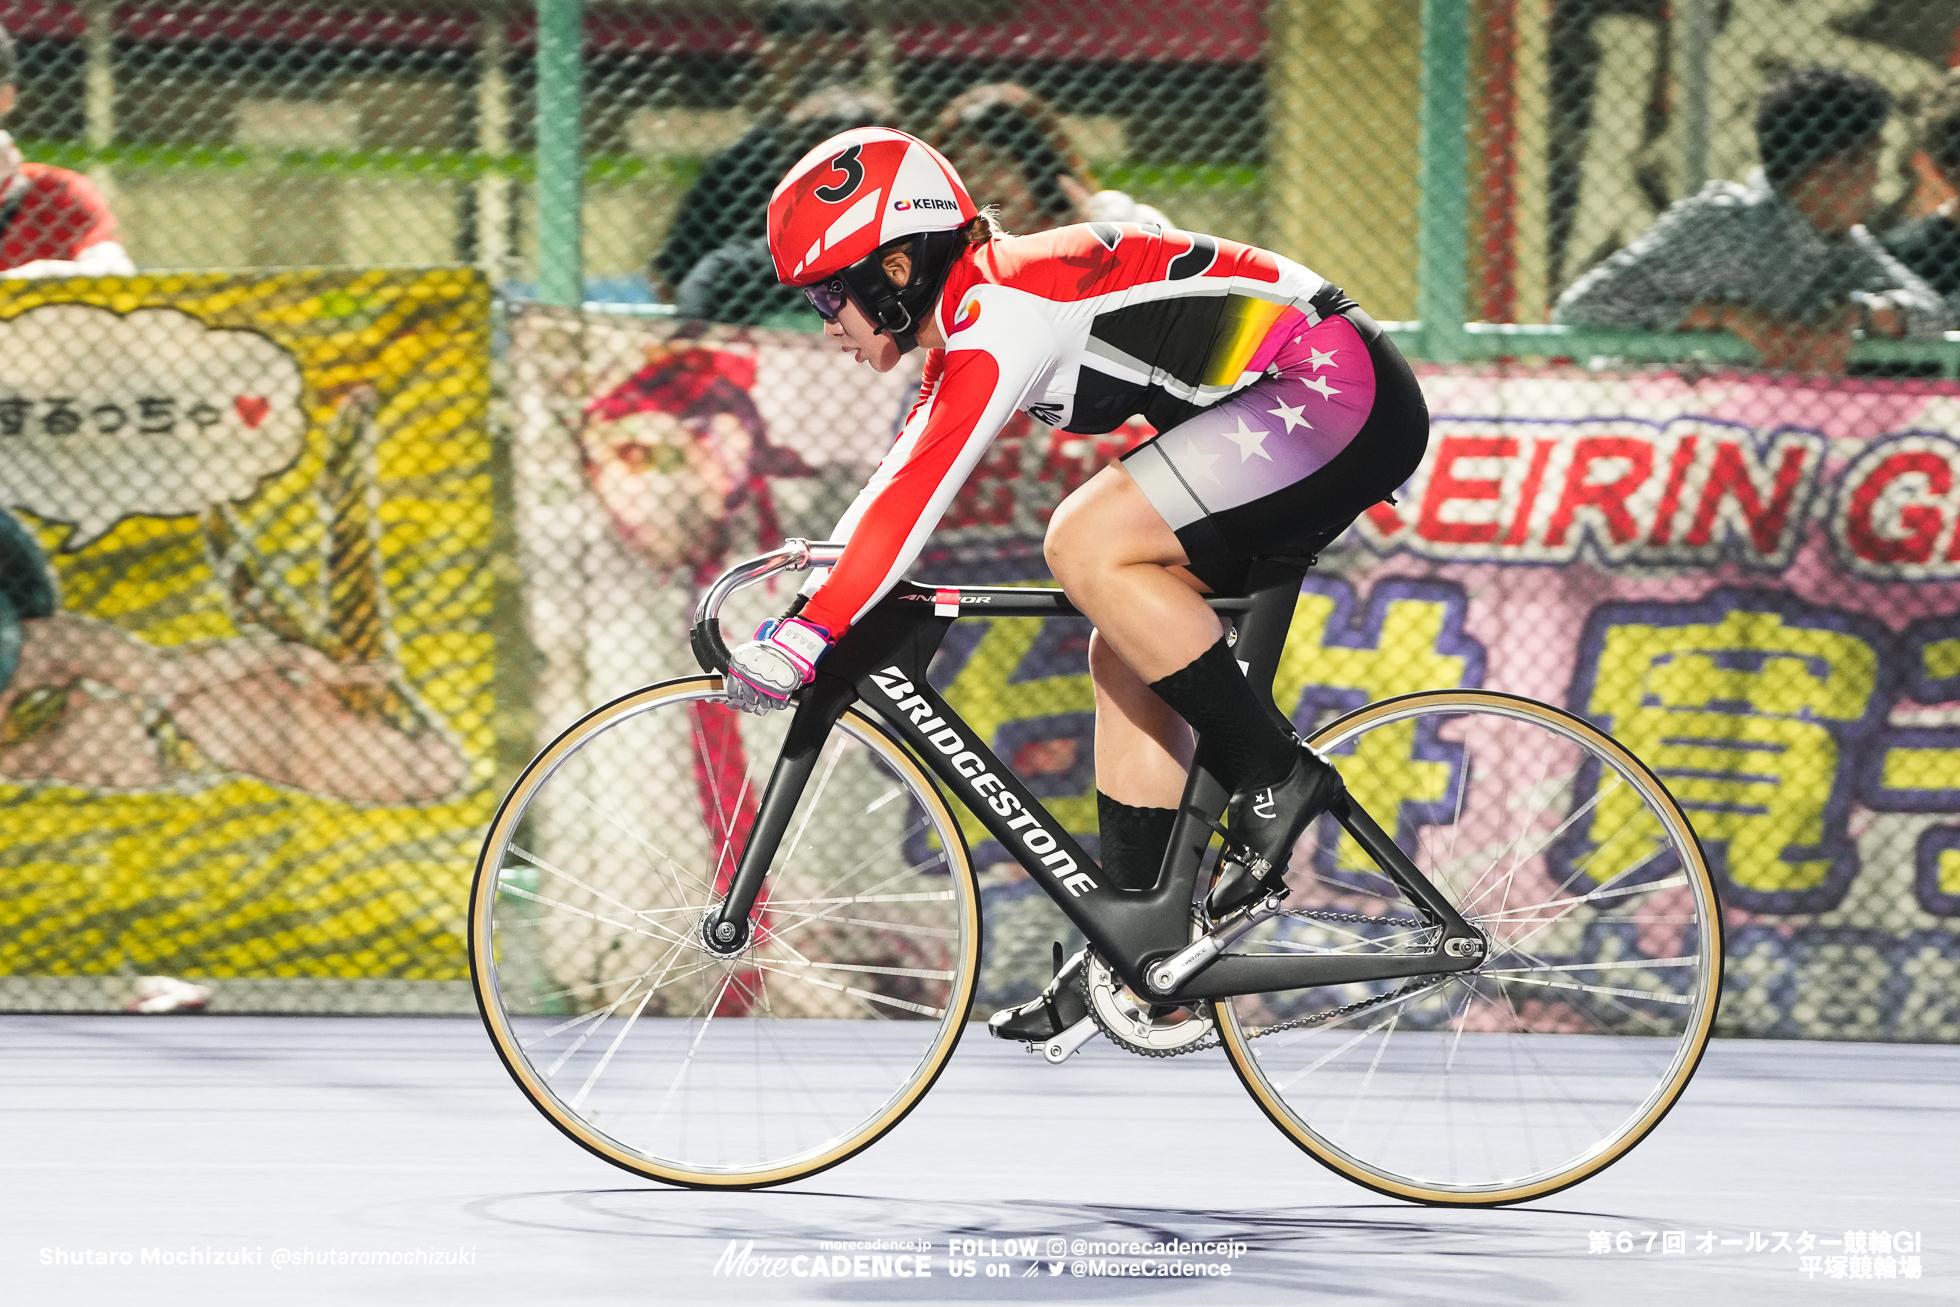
(1130, 1026)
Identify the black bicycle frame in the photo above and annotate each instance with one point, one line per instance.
(882, 662)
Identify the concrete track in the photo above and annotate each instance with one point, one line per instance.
(328, 1143)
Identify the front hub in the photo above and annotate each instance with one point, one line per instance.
(724, 937)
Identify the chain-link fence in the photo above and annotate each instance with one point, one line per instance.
(253, 136)
(300, 566)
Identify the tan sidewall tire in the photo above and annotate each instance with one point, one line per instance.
(1237, 1049)
(482, 977)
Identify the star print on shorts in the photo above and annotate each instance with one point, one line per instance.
(1284, 427)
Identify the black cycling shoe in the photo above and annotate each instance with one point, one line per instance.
(1263, 827)
(1050, 1012)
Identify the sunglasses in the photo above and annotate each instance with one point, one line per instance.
(827, 297)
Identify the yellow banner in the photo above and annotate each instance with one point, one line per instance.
(248, 623)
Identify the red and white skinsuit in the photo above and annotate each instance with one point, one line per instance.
(1220, 346)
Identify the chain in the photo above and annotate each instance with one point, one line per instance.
(1351, 918)
(1211, 1041)
(1321, 1018)
(1313, 1019)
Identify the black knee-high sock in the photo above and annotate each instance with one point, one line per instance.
(1133, 841)
(1243, 745)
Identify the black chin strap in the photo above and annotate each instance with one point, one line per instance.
(896, 311)
(879, 299)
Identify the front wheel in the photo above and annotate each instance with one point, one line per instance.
(679, 1063)
(1593, 1003)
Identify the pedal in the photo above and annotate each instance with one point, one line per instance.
(1067, 1044)
(1052, 1013)
(1242, 880)
(1243, 876)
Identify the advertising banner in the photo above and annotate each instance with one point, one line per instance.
(248, 623)
(1751, 581)
(649, 456)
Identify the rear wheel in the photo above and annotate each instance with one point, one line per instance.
(674, 1061)
(1589, 1013)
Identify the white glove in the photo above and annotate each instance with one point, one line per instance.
(781, 660)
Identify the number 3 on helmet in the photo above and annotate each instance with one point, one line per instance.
(835, 214)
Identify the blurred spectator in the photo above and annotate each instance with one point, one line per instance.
(1931, 246)
(1118, 206)
(53, 222)
(736, 281)
(805, 45)
(1783, 262)
(1012, 150)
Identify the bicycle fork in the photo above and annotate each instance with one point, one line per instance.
(726, 929)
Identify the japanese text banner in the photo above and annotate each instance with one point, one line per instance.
(248, 646)
(1751, 582)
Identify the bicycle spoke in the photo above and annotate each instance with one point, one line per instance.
(1602, 893)
(725, 819)
(928, 896)
(564, 875)
(1597, 966)
(673, 867)
(922, 973)
(1387, 1030)
(1510, 978)
(611, 1049)
(896, 927)
(1546, 925)
(522, 893)
(1586, 1013)
(1563, 826)
(1534, 1068)
(687, 1062)
(868, 996)
(1540, 805)
(845, 999)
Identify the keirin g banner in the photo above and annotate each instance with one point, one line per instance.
(1752, 583)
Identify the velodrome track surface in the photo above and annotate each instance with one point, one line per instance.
(341, 1139)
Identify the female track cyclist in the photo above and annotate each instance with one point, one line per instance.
(1283, 413)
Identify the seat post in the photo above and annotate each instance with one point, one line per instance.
(1274, 587)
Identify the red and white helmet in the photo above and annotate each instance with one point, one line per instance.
(856, 192)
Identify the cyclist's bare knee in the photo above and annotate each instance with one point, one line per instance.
(1105, 524)
(1071, 546)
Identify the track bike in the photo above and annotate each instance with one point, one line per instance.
(726, 951)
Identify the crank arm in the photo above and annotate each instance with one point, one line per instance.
(1065, 1045)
